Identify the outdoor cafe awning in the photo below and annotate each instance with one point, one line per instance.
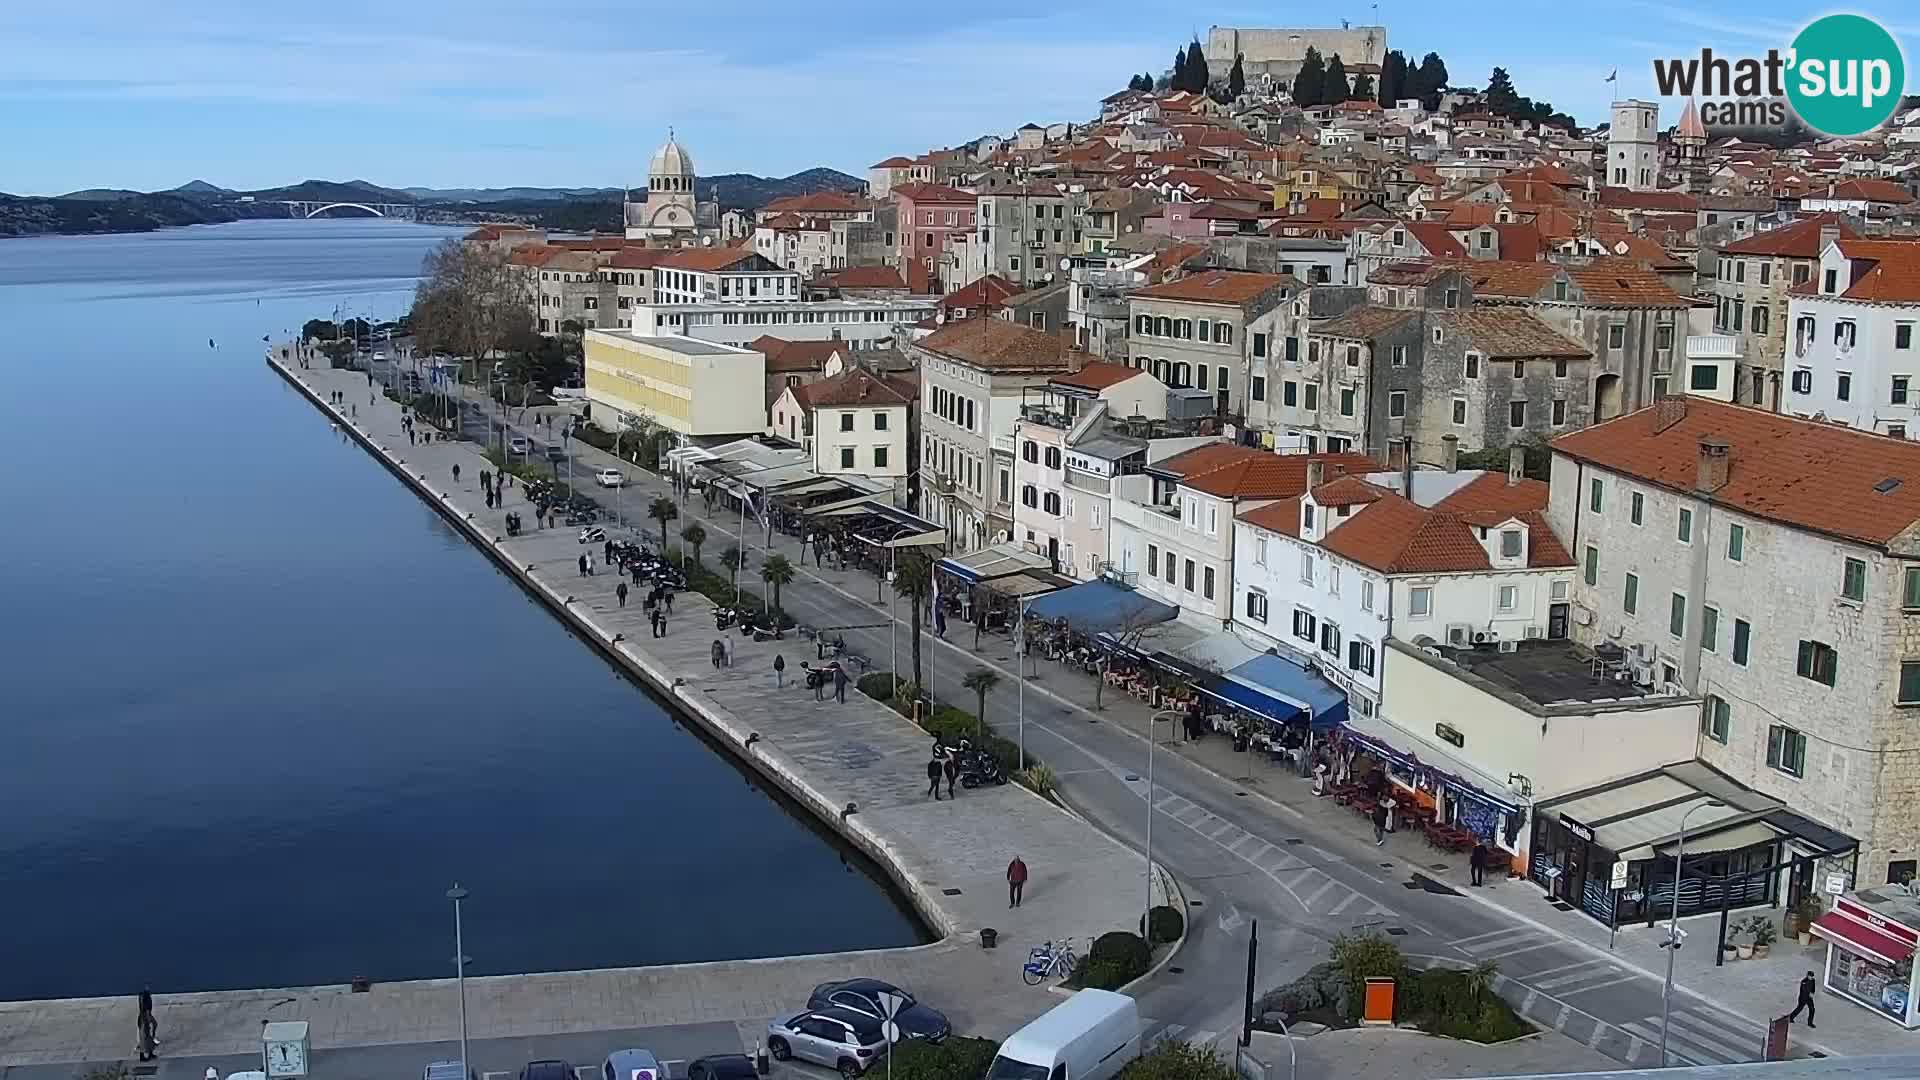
(1020, 586)
(1094, 607)
(988, 563)
(1410, 751)
(1283, 680)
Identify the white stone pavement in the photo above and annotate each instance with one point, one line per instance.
(948, 856)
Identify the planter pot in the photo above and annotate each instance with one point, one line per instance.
(1760, 951)
(1745, 951)
(1806, 937)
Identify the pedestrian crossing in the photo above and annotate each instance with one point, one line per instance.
(1579, 977)
(1182, 1033)
(1502, 944)
(1701, 1035)
(1317, 892)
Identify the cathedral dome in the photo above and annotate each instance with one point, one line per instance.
(671, 160)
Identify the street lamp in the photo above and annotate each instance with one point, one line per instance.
(460, 961)
(1673, 926)
(1169, 715)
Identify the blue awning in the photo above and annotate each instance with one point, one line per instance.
(1241, 696)
(1288, 690)
(1094, 607)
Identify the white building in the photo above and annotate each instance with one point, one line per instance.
(854, 423)
(1852, 357)
(1173, 525)
(1768, 565)
(862, 324)
(1633, 150)
(672, 210)
(722, 275)
(1332, 574)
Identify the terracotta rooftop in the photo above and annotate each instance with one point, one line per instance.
(1813, 475)
(1347, 491)
(1395, 536)
(1204, 457)
(866, 277)
(933, 194)
(1266, 475)
(637, 258)
(1492, 492)
(792, 357)
(1216, 287)
(999, 345)
(855, 388)
(988, 291)
(894, 162)
(1860, 189)
(1601, 283)
(1509, 333)
(706, 259)
(1282, 517)
(1619, 198)
(1098, 375)
(1884, 271)
(817, 202)
(1437, 239)
(1800, 240)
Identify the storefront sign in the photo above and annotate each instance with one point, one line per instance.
(1579, 830)
(1836, 884)
(1897, 931)
(1450, 734)
(1619, 879)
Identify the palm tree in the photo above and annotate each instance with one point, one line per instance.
(733, 560)
(663, 510)
(776, 571)
(980, 681)
(913, 579)
(694, 534)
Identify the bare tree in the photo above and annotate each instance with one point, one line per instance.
(470, 301)
(1135, 626)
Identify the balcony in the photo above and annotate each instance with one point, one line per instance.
(1046, 416)
(1149, 518)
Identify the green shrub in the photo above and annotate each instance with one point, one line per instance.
(1361, 956)
(1116, 959)
(1176, 1060)
(877, 685)
(958, 1057)
(1163, 924)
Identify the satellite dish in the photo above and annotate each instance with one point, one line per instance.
(1066, 263)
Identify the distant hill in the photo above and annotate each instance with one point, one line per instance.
(745, 191)
(135, 213)
(101, 194)
(505, 194)
(333, 191)
(197, 188)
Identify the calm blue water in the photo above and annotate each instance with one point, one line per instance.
(261, 707)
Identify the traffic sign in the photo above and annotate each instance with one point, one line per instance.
(891, 1030)
(1620, 874)
(890, 1003)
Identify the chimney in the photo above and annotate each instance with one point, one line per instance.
(1316, 474)
(1668, 410)
(1516, 465)
(1406, 464)
(1715, 459)
(1450, 452)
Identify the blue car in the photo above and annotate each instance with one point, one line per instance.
(862, 996)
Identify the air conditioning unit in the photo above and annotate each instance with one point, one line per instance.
(1644, 653)
(1674, 689)
(1484, 637)
(1642, 674)
(1509, 645)
(1535, 633)
(1460, 634)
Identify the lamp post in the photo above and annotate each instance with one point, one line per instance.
(1146, 919)
(1673, 926)
(1020, 672)
(457, 894)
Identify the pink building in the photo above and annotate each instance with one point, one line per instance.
(1176, 219)
(930, 216)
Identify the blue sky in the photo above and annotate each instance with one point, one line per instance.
(119, 93)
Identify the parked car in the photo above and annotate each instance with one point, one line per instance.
(632, 1065)
(609, 478)
(722, 1067)
(547, 1070)
(447, 1070)
(845, 1041)
(863, 996)
(520, 444)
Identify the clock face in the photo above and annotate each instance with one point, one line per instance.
(286, 1059)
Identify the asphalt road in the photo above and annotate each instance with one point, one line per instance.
(1305, 869)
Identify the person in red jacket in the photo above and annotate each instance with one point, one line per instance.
(1016, 881)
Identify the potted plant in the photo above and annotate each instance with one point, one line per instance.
(1808, 912)
(1742, 949)
(1760, 928)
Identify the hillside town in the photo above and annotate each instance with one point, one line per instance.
(1580, 465)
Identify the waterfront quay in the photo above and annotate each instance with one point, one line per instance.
(948, 858)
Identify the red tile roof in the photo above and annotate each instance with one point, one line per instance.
(999, 345)
(894, 162)
(793, 357)
(817, 202)
(1507, 333)
(1437, 239)
(866, 277)
(706, 259)
(1217, 287)
(856, 388)
(1492, 492)
(1395, 536)
(1805, 473)
(1282, 517)
(1619, 198)
(1884, 271)
(1098, 376)
(933, 194)
(1800, 240)
(1860, 189)
(1265, 475)
(637, 258)
(989, 291)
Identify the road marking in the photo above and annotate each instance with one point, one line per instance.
(1344, 904)
(1705, 1033)
(1538, 977)
(1506, 932)
(1570, 978)
(1326, 885)
(1679, 1047)
(1495, 943)
(1624, 977)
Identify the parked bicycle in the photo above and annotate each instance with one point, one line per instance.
(1049, 961)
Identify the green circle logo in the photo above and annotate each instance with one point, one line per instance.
(1847, 75)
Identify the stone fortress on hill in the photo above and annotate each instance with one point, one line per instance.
(1277, 53)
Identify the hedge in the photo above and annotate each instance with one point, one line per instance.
(958, 1057)
(1117, 958)
(1177, 1060)
(1163, 924)
(948, 724)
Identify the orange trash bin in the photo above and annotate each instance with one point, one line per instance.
(1378, 1006)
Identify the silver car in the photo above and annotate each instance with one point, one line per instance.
(837, 1038)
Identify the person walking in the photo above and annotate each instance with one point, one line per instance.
(933, 773)
(1380, 824)
(666, 593)
(148, 1027)
(839, 684)
(1320, 775)
(1477, 863)
(1807, 987)
(607, 550)
(952, 769)
(583, 565)
(589, 558)
(719, 651)
(727, 657)
(456, 474)
(779, 671)
(1016, 881)
(620, 591)
(818, 677)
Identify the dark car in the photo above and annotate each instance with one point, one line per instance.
(547, 1070)
(862, 996)
(722, 1067)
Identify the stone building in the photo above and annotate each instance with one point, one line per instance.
(1750, 298)
(1769, 565)
(1206, 331)
(1273, 56)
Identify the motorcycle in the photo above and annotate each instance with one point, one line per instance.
(513, 524)
(591, 535)
(980, 769)
(818, 677)
(723, 617)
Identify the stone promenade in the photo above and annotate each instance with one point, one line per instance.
(948, 857)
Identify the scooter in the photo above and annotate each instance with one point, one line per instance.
(724, 617)
(980, 769)
(591, 535)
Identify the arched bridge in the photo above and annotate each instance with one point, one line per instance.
(308, 209)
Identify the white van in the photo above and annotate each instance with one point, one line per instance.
(1090, 1036)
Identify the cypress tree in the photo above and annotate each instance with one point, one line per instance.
(1309, 85)
(1237, 78)
(1335, 89)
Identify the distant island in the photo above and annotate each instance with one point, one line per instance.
(118, 210)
